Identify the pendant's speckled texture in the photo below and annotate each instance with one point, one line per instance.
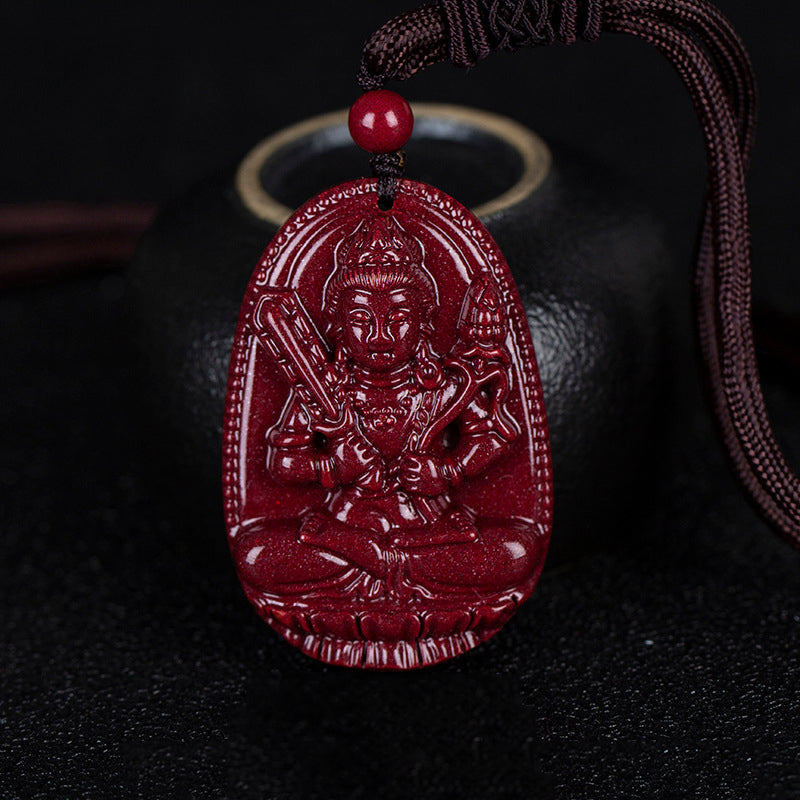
(387, 472)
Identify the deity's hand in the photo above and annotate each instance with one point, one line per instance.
(356, 460)
(424, 474)
(292, 464)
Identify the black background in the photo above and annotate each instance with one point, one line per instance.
(132, 664)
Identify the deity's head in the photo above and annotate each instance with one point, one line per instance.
(380, 301)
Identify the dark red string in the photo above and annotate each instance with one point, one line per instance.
(715, 68)
(39, 241)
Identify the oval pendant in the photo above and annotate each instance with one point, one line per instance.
(387, 473)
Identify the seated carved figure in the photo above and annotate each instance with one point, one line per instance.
(390, 429)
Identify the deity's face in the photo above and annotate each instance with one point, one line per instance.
(381, 327)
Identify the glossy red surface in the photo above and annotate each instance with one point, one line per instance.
(381, 121)
(387, 469)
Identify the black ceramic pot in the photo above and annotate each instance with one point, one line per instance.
(589, 261)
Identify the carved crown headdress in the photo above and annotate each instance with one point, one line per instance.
(379, 240)
(379, 254)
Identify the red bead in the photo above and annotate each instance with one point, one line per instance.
(381, 121)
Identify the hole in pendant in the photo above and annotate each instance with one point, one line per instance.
(385, 203)
(451, 436)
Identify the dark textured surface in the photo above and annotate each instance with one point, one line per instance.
(132, 666)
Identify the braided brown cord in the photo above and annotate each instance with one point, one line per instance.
(715, 68)
(404, 46)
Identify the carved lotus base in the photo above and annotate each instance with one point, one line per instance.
(383, 634)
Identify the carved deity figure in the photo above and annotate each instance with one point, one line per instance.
(390, 428)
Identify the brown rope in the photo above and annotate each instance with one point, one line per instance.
(715, 68)
(40, 241)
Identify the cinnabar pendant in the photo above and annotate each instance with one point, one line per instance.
(387, 468)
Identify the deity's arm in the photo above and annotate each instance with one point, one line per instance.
(485, 434)
(293, 454)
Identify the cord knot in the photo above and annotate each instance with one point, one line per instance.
(388, 169)
(477, 27)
